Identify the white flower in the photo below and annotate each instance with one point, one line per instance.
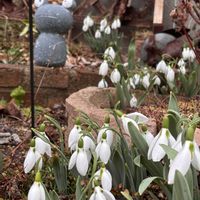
(115, 76)
(103, 149)
(105, 177)
(31, 159)
(192, 56)
(183, 70)
(109, 134)
(136, 79)
(118, 23)
(189, 154)
(148, 136)
(36, 192)
(156, 152)
(162, 67)
(125, 65)
(186, 53)
(103, 24)
(133, 102)
(102, 83)
(145, 81)
(39, 3)
(139, 118)
(125, 120)
(69, 4)
(41, 146)
(88, 143)
(73, 137)
(101, 194)
(88, 21)
(114, 25)
(80, 158)
(103, 70)
(97, 34)
(157, 80)
(131, 82)
(181, 63)
(178, 144)
(110, 53)
(85, 27)
(107, 30)
(170, 75)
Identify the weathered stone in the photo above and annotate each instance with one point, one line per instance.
(50, 50)
(5, 138)
(15, 138)
(53, 19)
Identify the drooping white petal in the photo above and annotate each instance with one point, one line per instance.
(125, 121)
(115, 76)
(178, 144)
(82, 162)
(108, 195)
(109, 135)
(40, 145)
(38, 158)
(148, 137)
(106, 180)
(97, 150)
(161, 66)
(102, 84)
(170, 75)
(133, 102)
(42, 192)
(92, 197)
(34, 192)
(29, 161)
(73, 136)
(196, 157)
(88, 143)
(72, 160)
(181, 162)
(103, 70)
(107, 30)
(172, 140)
(104, 152)
(139, 118)
(99, 194)
(154, 141)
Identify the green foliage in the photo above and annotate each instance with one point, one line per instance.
(18, 94)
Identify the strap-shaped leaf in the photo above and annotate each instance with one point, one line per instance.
(181, 190)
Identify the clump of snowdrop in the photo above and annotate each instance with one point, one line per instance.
(116, 24)
(88, 22)
(188, 54)
(37, 191)
(103, 24)
(156, 152)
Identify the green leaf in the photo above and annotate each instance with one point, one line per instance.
(190, 181)
(152, 195)
(53, 195)
(131, 54)
(138, 139)
(79, 189)
(171, 153)
(145, 184)
(173, 104)
(121, 96)
(60, 173)
(137, 161)
(125, 90)
(196, 195)
(181, 190)
(126, 195)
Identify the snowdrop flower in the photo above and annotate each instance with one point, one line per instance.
(107, 30)
(147, 135)
(39, 3)
(102, 83)
(114, 25)
(103, 70)
(156, 152)
(41, 146)
(103, 24)
(182, 70)
(74, 135)
(133, 102)
(101, 194)
(192, 56)
(88, 21)
(109, 134)
(118, 22)
(162, 67)
(105, 177)
(110, 53)
(103, 149)
(139, 118)
(157, 80)
(37, 191)
(189, 154)
(125, 120)
(145, 81)
(88, 143)
(186, 53)
(69, 4)
(170, 75)
(136, 79)
(115, 76)
(131, 82)
(33, 157)
(80, 159)
(178, 144)
(97, 34)
(181, 63)
(85, 27)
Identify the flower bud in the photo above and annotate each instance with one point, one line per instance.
(42, 127)
(190, 133)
